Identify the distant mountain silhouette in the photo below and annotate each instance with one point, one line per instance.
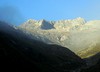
(18, 52)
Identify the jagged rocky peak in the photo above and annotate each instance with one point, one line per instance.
(46, 25)
(43, 20)
(31, 24)
(79, 20)
(30, 21)
(43, 24)
(76, 21)
(70, 23)
(38, 24)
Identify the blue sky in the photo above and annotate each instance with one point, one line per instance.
(19, 11)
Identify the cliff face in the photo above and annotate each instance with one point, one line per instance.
(77, 34)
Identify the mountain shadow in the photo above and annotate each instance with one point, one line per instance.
(18, 52)
(93, 63)
(46, 25)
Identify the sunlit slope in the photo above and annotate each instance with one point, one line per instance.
(78, 35)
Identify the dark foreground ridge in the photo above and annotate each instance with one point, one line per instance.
(95, 61)
(20, 53)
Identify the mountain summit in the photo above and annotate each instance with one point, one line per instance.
(43, 24)
(79, 35)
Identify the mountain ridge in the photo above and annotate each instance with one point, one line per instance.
(20, 52)
(67, 33)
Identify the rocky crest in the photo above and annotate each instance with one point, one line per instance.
(77, 34)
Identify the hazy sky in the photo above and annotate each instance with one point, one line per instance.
(18, 11)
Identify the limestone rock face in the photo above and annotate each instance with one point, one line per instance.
(77, 34)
